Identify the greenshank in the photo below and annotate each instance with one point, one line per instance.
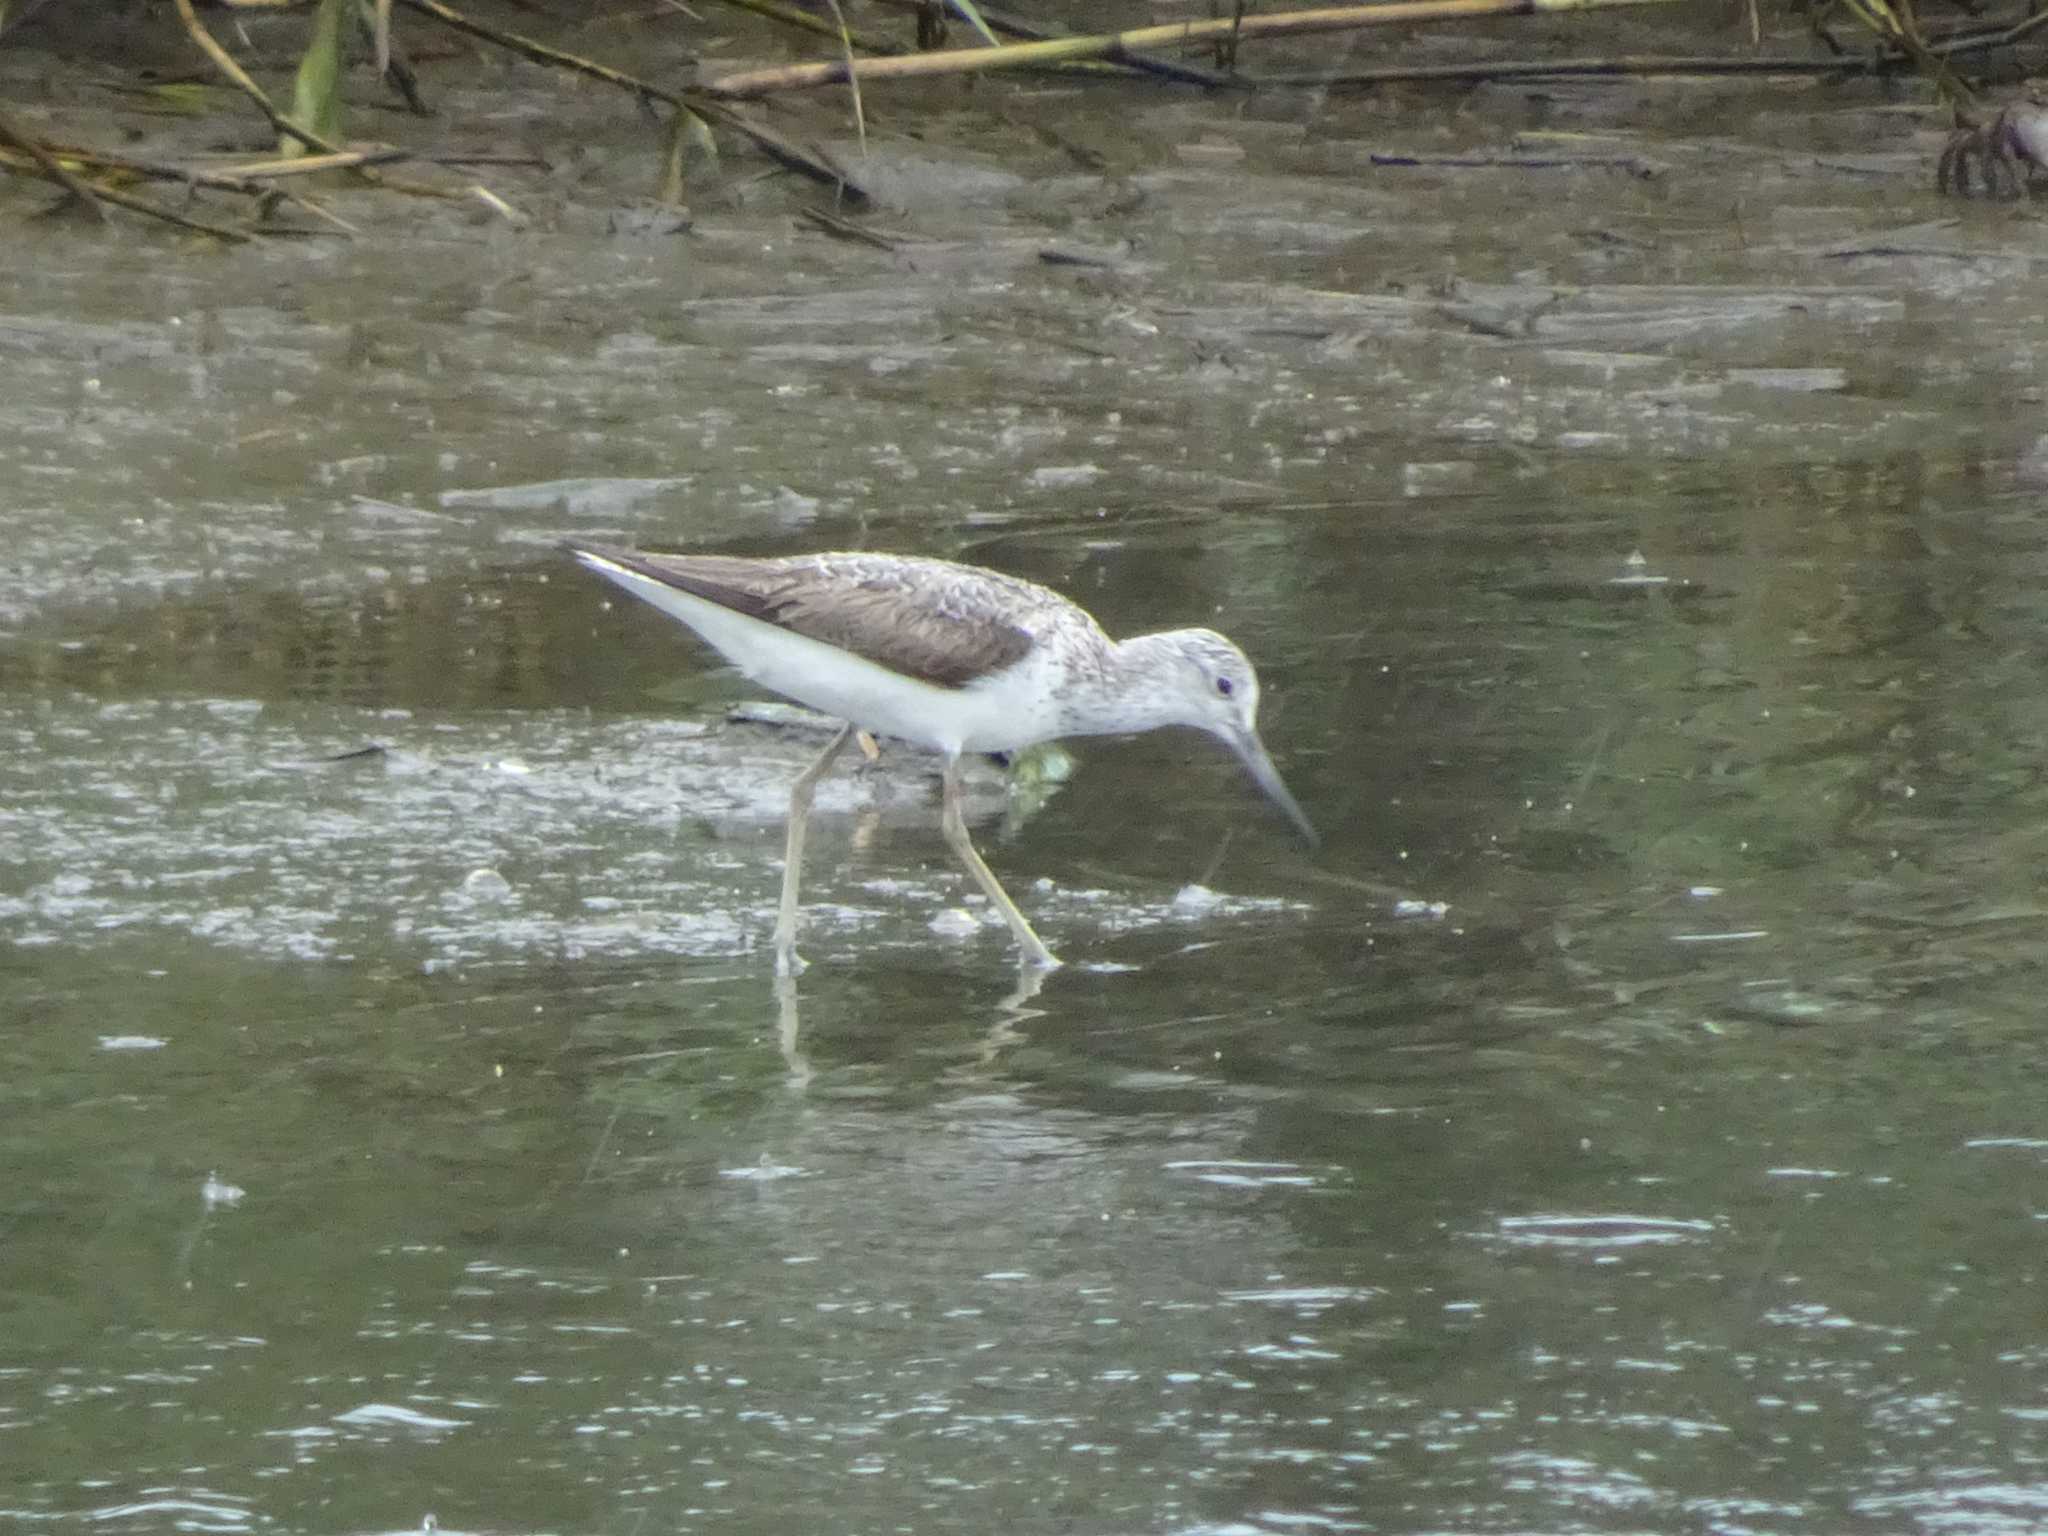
(948, 657)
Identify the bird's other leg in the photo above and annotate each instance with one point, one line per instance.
(800, 794)
(953, 822)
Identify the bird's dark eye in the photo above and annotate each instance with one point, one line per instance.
(1225, 686)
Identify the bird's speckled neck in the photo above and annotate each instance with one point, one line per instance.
(1138, 684)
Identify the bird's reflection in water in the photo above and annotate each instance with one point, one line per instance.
(794, 1061)
(1011, 1012)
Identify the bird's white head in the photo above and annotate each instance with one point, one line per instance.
(1197, 677)
(1203, 680)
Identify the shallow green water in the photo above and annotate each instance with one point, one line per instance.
(1630, 1120)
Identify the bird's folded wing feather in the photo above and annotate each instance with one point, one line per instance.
(917, 618)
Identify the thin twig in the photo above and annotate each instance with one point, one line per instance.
(390, 59)
(1110, 45)
(306, 165)
(1650, 66)
(485, 157)
(1974, 41)
(223, 180)
(860, 121)
(1635, 165)
(1035, 31)
(537, 51)
(249, 177)
(1638, 65)
(802, 158)
(128, 200)
(1141, 63)
(314, 209)
(135, 204)
(814, 163)
(239, 77)
(1895, 22)
(846, 229)
(13, 133)
(496, 204)
(253, 179)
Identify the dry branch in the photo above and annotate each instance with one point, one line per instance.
(23, 140)
(1639, 66)
(250, 177)
(251, 180)
(1142, 63)
(814, 163)
(1002, 21)
(30, 166)
(306, 165)
(1115, 45)
(135, 204)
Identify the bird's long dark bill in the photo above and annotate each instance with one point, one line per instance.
(1253, 754)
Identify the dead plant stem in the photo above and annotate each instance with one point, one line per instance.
(814, 163)
(1115, 45)
(13, 133)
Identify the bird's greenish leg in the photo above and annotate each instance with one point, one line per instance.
(953, 822)
(786, 961)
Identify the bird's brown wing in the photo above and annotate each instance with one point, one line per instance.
(941, 623)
